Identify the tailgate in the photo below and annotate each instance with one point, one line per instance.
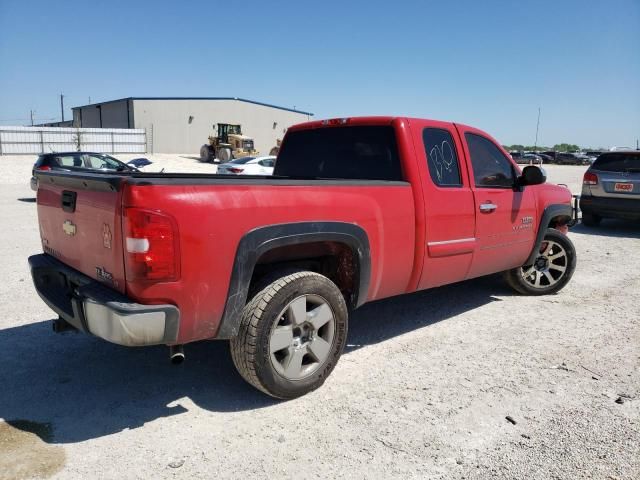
(80, 223)
(622, 184)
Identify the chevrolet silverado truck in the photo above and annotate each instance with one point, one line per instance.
(358, 209)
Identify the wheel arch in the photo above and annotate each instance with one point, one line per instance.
(556, 214)
(257, 244)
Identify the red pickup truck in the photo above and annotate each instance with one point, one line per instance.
(358, 209)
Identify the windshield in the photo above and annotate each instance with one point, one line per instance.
(618, 162)
(110, 162)
(100, 161)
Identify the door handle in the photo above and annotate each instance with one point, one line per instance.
(488, 207)
(68, 200)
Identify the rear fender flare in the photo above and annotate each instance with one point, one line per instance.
(257, 242)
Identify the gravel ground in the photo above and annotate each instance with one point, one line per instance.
(422, 391)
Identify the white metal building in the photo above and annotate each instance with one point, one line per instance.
(182, 125)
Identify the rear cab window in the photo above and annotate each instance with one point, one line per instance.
(346, 152)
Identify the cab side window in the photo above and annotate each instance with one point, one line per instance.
(96, 162)
(441, 157)
(69, 161)
(267, 162)
(491, 169)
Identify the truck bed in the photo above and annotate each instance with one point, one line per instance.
(213, 213)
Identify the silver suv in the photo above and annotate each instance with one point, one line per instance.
(611, 188)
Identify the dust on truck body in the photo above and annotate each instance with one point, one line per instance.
(358, 210)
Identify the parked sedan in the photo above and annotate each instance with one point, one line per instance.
(584, 159)
(568, 159)
(529, 159)
(611, 188)
(248, 166)
(545, 158)
(77, 161)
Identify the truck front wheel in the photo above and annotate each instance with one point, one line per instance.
(291, 335)
(224, 155)
(551, 270)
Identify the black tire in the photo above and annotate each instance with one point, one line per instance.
(551, 270)
(266, 312)
(590, 219)
(206, 153)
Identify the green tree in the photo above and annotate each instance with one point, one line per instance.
(514, 147)
(566, 147)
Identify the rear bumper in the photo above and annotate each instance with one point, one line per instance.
(92, 307)
(626, 208)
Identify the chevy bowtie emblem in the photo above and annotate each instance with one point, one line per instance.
(69, 228)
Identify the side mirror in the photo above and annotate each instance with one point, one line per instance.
(531, 175)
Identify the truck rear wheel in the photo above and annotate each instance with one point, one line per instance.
(551, 270)
(292, 333)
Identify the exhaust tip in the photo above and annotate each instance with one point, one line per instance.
(60, 325)
(176, 354)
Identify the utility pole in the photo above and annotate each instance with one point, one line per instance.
(31, 112)
(535, 145)
(62, 106)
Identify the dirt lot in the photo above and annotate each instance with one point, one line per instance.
(422, 391)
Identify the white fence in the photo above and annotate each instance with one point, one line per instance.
(35, 140)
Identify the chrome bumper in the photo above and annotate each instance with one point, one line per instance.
(92, 307)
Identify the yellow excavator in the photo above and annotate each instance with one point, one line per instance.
(229, 143)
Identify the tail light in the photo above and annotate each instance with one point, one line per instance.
(590, 179)
(44, 168)
(152, 250)
(236, 170)
(336, 121)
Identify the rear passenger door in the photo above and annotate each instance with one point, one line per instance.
(448, 204)
(506, 218)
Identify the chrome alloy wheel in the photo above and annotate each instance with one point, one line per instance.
(549, 266)
(301, 337)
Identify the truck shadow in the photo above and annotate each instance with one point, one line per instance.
(610, 227)
(86, 388)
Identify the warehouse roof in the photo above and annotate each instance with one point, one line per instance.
(196, 98)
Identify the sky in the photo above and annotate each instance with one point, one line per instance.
(489, 64)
